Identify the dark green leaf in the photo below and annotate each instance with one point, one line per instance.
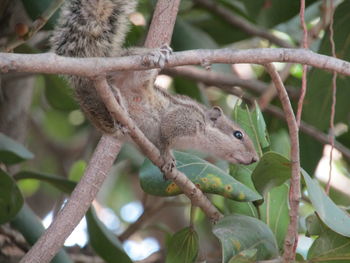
(187, 36)
(275, 213)
(12, 152)
(30, 226)
(188, 87)
(243, 208)
(330, 214)
(103, 241)
(183, 246)
(272, 12)
(238, 233)
(329, 247)
(272, 170)
(207, 177)
(59, 94)
(60, 183)
(11, 199)
(260, 126)
(280, 143)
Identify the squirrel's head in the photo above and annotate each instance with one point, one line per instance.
(227, 140)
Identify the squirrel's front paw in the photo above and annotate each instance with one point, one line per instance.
(168, 166)
(160, 56)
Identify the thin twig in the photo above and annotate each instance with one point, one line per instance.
(34, 28)
(84, 193)
(190, 190)
(291, 239)
(271, 92)
(242, 24)
(89, 67)
(334, 99)
(304, 76)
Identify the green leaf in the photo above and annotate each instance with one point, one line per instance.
(275, 213)
(280, 143)
(260, 125)
(243, 208)
(188, 88)
(30, 226)
(272, 12)
(207, 177)
(245, 256)
(183, 246)
(11, 199)
(59, 94)
(12, 152)
(272, 170)
(330, 214)
(238, 233)
(313, 225)
(243, 173)
(244, 118)
(329, 247)
(60, 183)
(187, 36)
(103, 241)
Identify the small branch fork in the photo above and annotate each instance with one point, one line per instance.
(291, 240)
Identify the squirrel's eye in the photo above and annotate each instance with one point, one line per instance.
(238, 135)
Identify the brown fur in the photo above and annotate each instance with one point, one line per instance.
(90, 28)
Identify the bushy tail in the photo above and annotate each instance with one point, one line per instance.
(92, 28)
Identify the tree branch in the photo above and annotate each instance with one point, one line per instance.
(83, 195)
(53, 64)
(291, 239)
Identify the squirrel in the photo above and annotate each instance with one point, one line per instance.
(97, 28)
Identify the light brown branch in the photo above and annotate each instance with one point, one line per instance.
(304, 76)
(291, 239)
(334, 99)
(241, 23)
(53, 64)
(190, 190)
(71, 214)
(271, 92)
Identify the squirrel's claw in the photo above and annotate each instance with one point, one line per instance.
(160, 56)
(168, 166)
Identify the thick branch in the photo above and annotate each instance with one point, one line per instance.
(190, 190)
(242, 24)
(291, 239)
(53, 64)
(84, 193)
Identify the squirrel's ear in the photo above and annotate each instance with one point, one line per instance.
(215, 113)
